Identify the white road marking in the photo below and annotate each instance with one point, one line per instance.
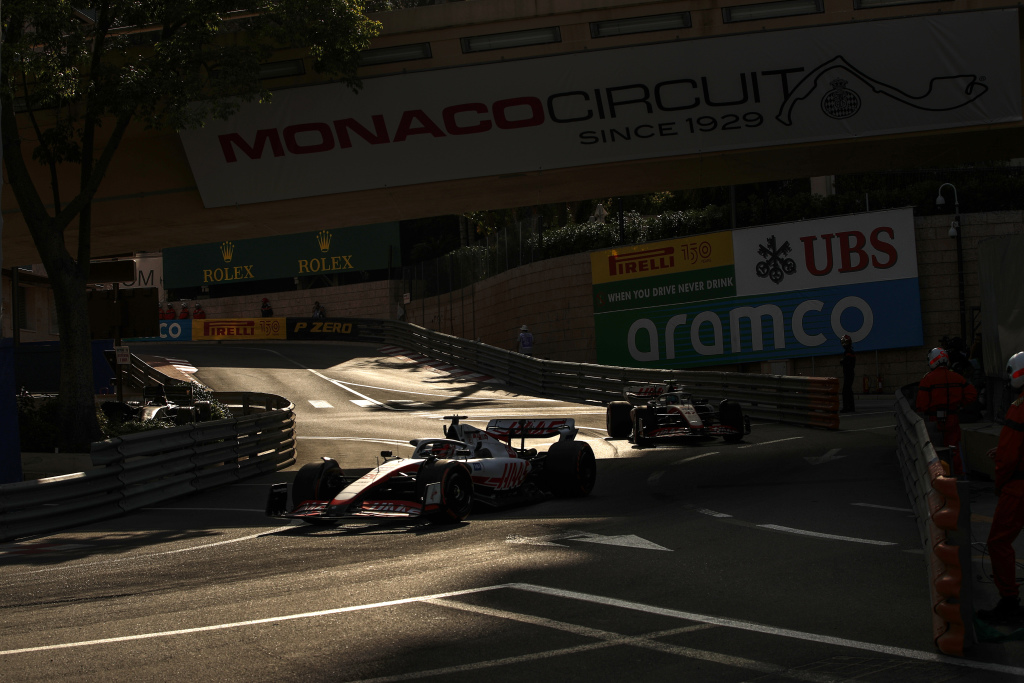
(136, 558)
(828, 457)
(765, 443)
(364, 402)
(316, 403)
(694, 457)
(395, 442)
(882, 507)
(626, 540)
(711, 513)
(801, 532)
(870, 429)
(571, 595)
(261, 511)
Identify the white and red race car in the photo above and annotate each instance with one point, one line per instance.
(444, 477)
(668, 411)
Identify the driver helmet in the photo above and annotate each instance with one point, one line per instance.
(937, 357)
(1015, 370)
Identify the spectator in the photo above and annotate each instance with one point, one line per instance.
(1008, 518)
(940, 396)
(319, 311)
(199, 313)
(524, 343)
(265, 310)
(169, 313)
(183, 315)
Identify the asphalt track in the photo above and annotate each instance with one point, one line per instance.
(792, 555)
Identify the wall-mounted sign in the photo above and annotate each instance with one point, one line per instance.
(836, 82)
(324, 252)
(790, 290)
(238, 329)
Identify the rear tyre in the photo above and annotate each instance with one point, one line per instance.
(730, 414)
(618, 421)
(571, 469)
(456, 494)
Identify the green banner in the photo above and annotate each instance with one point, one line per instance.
(697, 285)
(341, 250)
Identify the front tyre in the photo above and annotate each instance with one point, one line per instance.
(320, 481)
(571, 469)
(456, 494)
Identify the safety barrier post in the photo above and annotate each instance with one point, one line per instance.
(951, 563)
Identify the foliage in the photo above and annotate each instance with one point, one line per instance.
(37, 416)
(80, 73)
(112, 429)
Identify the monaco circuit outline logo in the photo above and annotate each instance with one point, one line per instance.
(943, 93)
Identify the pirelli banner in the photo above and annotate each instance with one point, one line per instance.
(236, 329)
(838, 82)
(767, 293)
(335, 329)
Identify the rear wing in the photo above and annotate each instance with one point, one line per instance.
(644, 391)
(506, 430)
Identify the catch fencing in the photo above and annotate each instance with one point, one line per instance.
(138, 470)
(808, 401)
(942, 507)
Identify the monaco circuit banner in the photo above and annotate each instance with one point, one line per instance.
(681, 98)
(760, 294)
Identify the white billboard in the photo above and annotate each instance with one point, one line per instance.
(688, 97)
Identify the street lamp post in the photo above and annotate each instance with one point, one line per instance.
(955, 232)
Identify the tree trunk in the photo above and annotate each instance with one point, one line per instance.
(77, 409)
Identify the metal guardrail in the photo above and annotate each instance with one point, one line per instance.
(943, 511)
(142, 469)
(809, 401)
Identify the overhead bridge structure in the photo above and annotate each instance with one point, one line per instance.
(500, 103)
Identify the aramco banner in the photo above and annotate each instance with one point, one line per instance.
(768, 293)
(836, 82)
(339, 250)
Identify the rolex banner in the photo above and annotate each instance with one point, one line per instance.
(692, 96)
(768, 293)
(326, 252)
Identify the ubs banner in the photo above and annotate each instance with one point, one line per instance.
(339, 250)
(779, 291)
(686, 97)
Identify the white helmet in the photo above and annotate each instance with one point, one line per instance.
(937, 357)
(1015, 370)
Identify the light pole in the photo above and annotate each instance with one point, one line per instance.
(954, 231)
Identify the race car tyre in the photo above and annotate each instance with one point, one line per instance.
(730, 414)
(618, 421)
(204, 412)
(456, 491)
(317, 481)
(571, 469)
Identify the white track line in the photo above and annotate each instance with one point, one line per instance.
(834, 537)
(572, 595)
(765, 443)
(881, 507)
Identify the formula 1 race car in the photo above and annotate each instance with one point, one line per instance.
(665, 411)
(444, 477)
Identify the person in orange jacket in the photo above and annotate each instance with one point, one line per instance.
(940, 395)
(183, 315)
(198, 313)
(168, 314)
(1008, 518)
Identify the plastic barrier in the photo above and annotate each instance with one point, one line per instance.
(942, 508)
(143, 469)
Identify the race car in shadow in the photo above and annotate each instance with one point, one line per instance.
(667, 411)
(444, 477)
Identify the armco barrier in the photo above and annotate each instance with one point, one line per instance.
(942, 508)
(142, 469)
(810, 401)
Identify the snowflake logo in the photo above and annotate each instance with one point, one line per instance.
(776, 264)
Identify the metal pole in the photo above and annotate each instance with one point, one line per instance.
(960, 275)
